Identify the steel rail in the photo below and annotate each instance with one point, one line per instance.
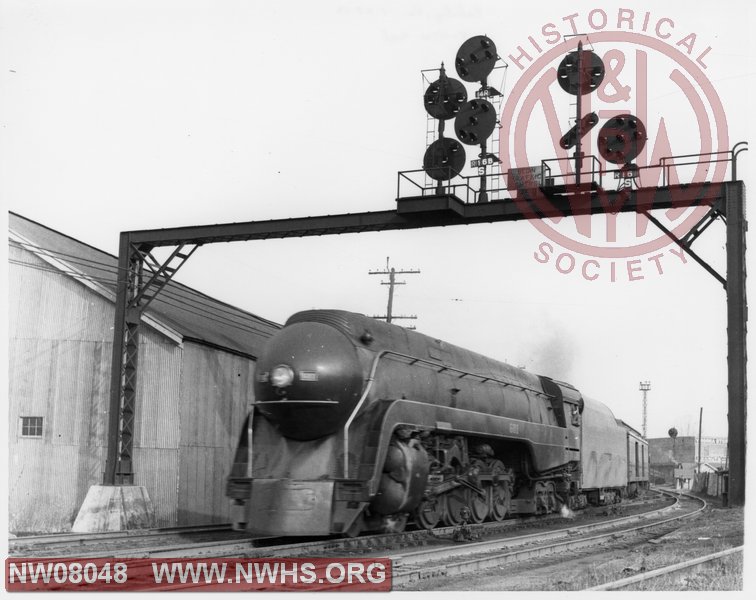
(692, 563)
(367, 543)
(461, 563)
(67, 537)
(487, 546)
(246, 547)
(82, 539)
(249, 547)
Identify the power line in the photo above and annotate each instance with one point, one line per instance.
(176, 291)
(177, 302)
(115, 269)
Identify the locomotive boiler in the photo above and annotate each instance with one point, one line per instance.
(360, 425)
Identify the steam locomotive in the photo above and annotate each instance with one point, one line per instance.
(360, 425)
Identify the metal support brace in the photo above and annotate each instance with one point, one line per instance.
(695, 231)
(161, 274)
(686, 247)
(133, 295)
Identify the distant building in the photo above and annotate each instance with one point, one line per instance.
(713, 451)
(709, 468)
(671, 458)
(197, 358)
(667, 454)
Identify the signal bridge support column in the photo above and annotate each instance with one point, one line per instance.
(737, 327)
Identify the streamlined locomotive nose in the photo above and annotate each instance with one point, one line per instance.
(308, 380)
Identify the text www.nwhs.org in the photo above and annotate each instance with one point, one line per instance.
(270, 572)
(231, 574)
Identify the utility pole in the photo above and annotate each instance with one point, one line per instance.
(392, 273)
(645, 386)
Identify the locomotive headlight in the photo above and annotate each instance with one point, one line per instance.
(282, 376)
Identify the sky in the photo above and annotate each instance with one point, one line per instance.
(122, 115)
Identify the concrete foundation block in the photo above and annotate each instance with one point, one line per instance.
(115, 508)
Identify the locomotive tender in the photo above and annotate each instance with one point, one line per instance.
(362, 425)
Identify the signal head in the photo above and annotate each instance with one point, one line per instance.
(475, 121)
(587, 123)
(621, 139)
(590, 77)
(476, 58)
(444, 159)
(444, 97)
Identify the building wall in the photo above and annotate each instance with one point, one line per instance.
(713, 450)
(216, 390)
(668, 451)
(157, 426)
(59, 370)
(190, 405)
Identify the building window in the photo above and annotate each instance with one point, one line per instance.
(31, 426)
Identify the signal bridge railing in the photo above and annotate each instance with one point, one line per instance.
(670, 170)
(464, 187)
(561, 173)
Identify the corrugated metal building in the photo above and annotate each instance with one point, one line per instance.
(195, 385)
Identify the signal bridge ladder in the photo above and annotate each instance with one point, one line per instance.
(495, 187)
(430, 128)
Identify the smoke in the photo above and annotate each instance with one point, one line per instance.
(552, 355)
(394, 524)
(566, 512)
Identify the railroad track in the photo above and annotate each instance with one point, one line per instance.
(71, 542)
(197, 542)
(413, 567)
(676, 569)
(439, 556)
(166, 544)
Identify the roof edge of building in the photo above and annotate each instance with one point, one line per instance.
(263, 320)
(201, 342)
(69, 270)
